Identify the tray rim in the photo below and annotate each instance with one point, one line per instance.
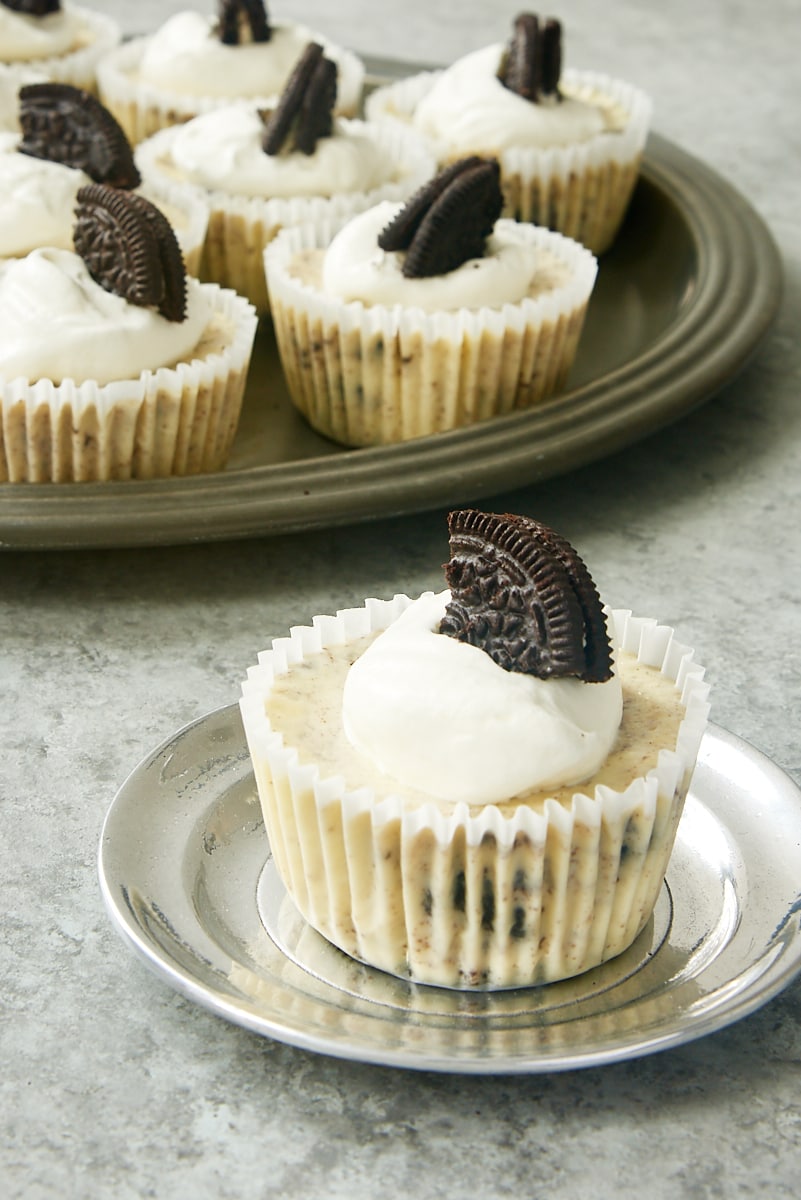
(733, 302)
(247, 1016)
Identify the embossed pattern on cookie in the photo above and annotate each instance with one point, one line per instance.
(67, 125)
(130, 249)
(521, 593)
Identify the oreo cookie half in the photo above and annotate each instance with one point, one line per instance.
(33, 8)
(233, 16)
(305, 111)
(130, 249)
(67, 125)
(532, 63)
(448, 220)
(520, 592)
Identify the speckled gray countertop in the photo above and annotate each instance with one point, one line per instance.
(114, 1085)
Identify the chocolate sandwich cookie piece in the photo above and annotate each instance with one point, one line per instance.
(521, 593)
(448, 220)
(235, 17)
(33, 8)
(130, 249)
(532, 62)
(305, 111)
(67, 125)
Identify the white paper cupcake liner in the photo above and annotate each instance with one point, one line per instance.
(173, 421)
(582, 191)
(240, 227)
(471, 897)
(143, 109)
(373, 375)
(78, 67)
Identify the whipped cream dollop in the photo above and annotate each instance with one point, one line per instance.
(470, 109)
(439, 715)
(24, 38)
(37, 200)
(222, 149)
(356, 268)
(11, 80)
(57, 323)
(185, 55)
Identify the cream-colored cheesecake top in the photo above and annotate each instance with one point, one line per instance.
(305, 706)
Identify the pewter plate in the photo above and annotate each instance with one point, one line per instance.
(683, 298)
(188, 881)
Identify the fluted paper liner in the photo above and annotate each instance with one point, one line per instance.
(373, 374)
(77, 67)
(142, 109)
(172, 421)
(240, 227)
(582, 190)
(469, 896)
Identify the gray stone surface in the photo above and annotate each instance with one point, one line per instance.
(114, 1085)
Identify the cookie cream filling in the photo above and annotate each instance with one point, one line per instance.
(470, 109)
(440, 715)
(356, 268)
(24, 38)
(222, 150)
(56, 323)
(37, 200)
(185, 55)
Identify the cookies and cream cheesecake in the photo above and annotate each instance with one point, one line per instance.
(114, 364)
(195, 62)
(425, 316)
(569, 142)
(261, 168)
(480, 787)
(60, 41)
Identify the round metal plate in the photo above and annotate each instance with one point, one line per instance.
(682, 299)
(188, 881)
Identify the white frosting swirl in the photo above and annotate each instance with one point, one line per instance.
(222, 149)
(56, 323)
(11, 80)
(470, 109)
(355, 268)
(185, 55)
(439, 715)
(37, 200)
(24, 38)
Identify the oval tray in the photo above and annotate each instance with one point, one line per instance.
(683, 298)
(188, 880)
